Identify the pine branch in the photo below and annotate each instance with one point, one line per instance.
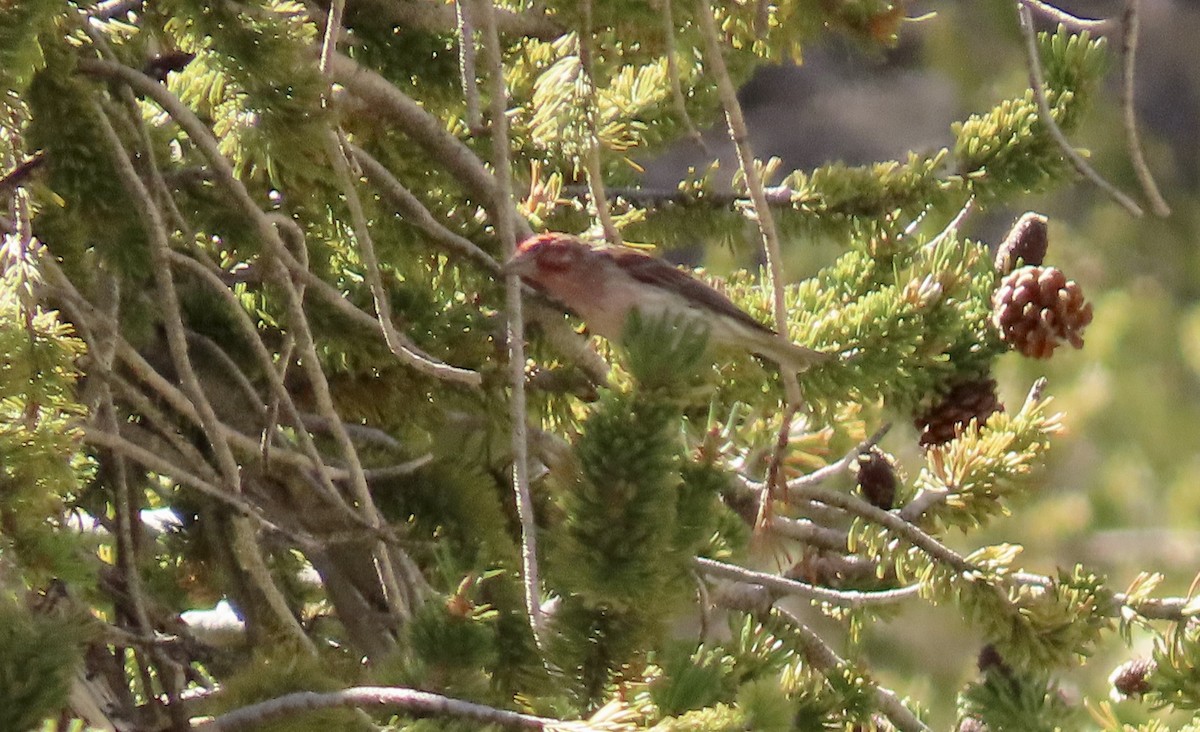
(759, 602)
(779, 586)
(412, 701)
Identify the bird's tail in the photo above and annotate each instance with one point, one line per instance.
(790, 356)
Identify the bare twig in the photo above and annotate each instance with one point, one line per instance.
(761, 210)
(398, 343)
(954, 223)
(591, 157)
(810, 533)
(17, 174)
(822, 474)
(1038, 84)
(673, 76)
(1073, 22)
(1129, 42)
(777, 586)
(503, 221)
(417, 214)
(428, 132)
(411, 700)
(464, 12)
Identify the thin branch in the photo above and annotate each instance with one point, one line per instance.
(430, 133)
(1129, 42)
(151, 461)
(761, 211)
(674, 76)
(954, 223)
(1038, 83)
(591, 157)
(810, 533)
(399, 344)
(759, 602)
(777, 586)
(415, 212)
(887, 519)
(168, 300)
(464, 12)
(1073, 22)
(740, 134)
(370, 697)
(503, 220)
(17, 174)
(823, 474)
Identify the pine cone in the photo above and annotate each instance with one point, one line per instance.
(1026, 242)
(1037, 308)
(877, 478)
(966, 401)
(1129, 679)
(990, 659)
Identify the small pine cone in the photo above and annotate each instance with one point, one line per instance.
(1037, 308)
(1026, 242)
(877, 478)
(990, 658)
(966, 401)
(1129, 679)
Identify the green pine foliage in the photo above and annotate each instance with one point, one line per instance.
(1002, 700)
(39, 657)
(42, 466)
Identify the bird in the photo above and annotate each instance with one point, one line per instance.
(604, 285)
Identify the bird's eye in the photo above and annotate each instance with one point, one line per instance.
(556, 259)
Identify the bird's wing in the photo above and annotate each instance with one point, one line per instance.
(654, 271)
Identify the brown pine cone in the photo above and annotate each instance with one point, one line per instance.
(1129, 679)
(1037, 308)
(877, 478)
(1026, 242)
(966, 401)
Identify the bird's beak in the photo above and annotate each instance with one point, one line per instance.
(518, 265)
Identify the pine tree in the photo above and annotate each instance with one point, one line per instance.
(259, 348)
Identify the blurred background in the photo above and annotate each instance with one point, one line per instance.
(1122, 491)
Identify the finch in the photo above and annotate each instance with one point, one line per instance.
(604, 285)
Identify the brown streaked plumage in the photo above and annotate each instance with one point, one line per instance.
(603, 285)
